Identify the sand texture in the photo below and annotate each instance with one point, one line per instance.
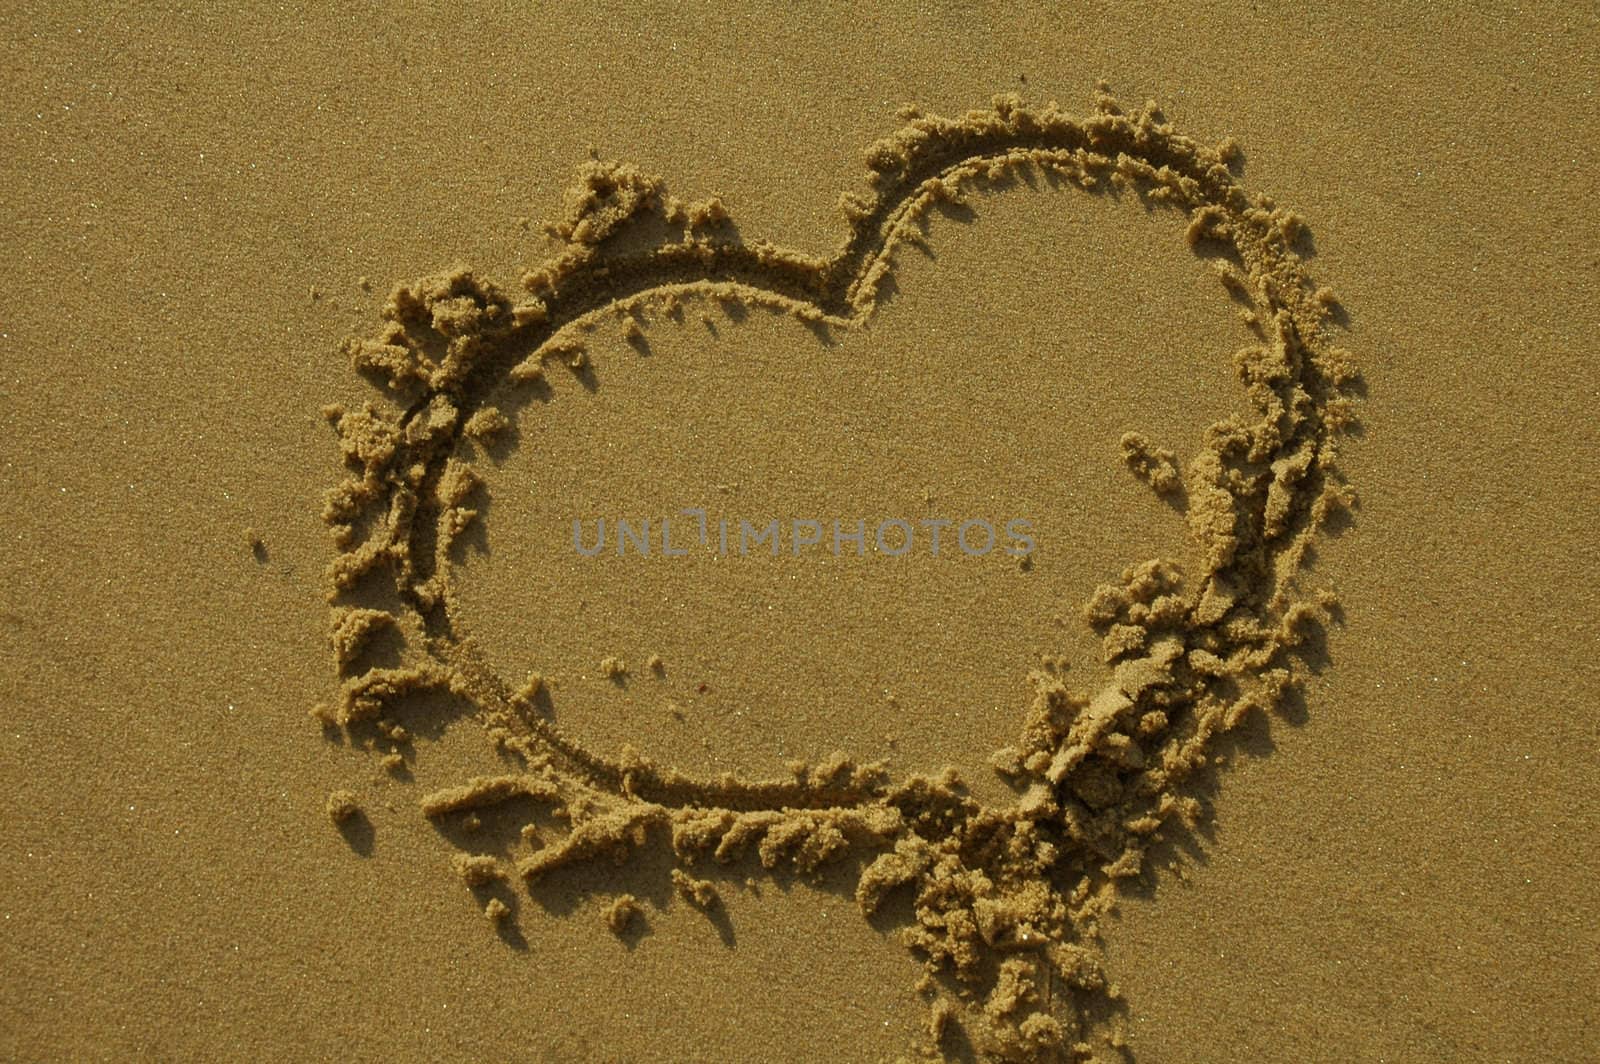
(763, 533)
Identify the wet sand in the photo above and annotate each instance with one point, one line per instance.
(1327, 796)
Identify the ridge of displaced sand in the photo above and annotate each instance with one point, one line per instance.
(1007, 897)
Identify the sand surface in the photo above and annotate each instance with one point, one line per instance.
(1391, 852)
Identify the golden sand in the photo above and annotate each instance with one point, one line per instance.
(1148, 789)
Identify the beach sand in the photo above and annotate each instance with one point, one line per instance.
(322, 740)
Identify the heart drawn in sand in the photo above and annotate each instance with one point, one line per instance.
(1007, 896)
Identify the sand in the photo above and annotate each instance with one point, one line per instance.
(1275, 742)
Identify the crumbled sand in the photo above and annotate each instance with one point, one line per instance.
(1193, 651)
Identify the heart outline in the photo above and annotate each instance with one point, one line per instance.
(1259, 494)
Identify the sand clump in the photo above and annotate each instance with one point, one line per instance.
(622, 913)
(342, 806)
(1006, 897)
(701, 893)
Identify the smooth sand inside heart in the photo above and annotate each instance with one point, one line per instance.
(961, 399)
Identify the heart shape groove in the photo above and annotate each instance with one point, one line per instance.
(1008, 895)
